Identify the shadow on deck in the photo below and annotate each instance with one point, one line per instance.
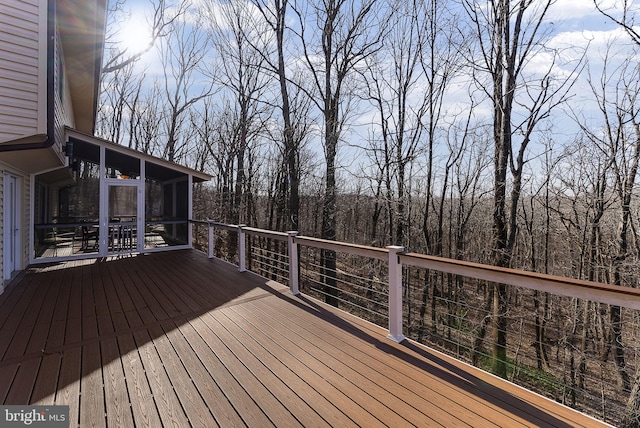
(174, 338)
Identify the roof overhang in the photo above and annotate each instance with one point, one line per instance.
(81, 25)
(155, 167)
(31, 155)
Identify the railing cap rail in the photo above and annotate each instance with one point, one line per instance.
(357, 249)
(266, 233)
(587, 290)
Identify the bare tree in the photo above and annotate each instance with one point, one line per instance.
(509, 33)
(419, 52)
(617, 94)
(241, 79)
(147, 117)
(183, 54)
(624, 14)
(336, 37)
(274, 13)
(117, 89)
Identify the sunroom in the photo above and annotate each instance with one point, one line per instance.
(110, 200)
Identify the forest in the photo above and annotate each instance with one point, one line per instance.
(469, 129)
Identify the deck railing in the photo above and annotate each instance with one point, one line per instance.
(575, 341)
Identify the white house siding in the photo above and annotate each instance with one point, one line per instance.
(25, 202)
(22, 70)
(63, 108)
(2, 228)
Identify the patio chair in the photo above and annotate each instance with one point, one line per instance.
(89, 233)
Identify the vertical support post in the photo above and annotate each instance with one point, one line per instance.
(104, 206)
(211, 240)
(292, 248)
(189, 210)
(242, 254)
(142, 208)
(395, 294)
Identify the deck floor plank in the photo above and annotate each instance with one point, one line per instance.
(13, 294)
(443, 403)
(190, 399)
(68, 392)
(44, 391)
(7, 376)
(332, 404)
(92, 409)
(233, 358)
(42, 332)
(90, 329)
(23, 382)
(237, 396)
(443, 387)
(473, 383)
(164, 290)
(57, 332)
(280, 379)
(118, 319)
(222, 410)
(166, 401)
(139, 314)
(17, 311)
(392, 397)
(143, 407)
(73, 331)
(176, 339)
(118, 408)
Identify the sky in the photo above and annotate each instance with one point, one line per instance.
(577, 25)
(577, 22)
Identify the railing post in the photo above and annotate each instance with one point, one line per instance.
(292, 248)
(241, 249)
(211, 248)
(395, 294)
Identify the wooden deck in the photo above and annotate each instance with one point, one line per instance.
(175, 339)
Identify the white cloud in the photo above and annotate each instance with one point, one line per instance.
(572, 9)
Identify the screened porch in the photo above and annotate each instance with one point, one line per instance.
(110, 200)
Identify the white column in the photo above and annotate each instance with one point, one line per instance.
(190, 210)
(211, 241)
(104, 206)
(395, 294)
(142, 213)
(241, 249)
(293, 262)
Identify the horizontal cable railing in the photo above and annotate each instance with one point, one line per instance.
(575, 341)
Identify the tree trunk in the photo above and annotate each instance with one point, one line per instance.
(631, 417)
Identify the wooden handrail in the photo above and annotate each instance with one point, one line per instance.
(280, 236)
(359, 250)
(588, 290)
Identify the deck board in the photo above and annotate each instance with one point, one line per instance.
(165, 398)
(200, 339)
(68, 389)
(42, 329)
(118, 408)
(214, 398)
(236, 360)
(23, 382)
(440, 398)
(92, 408)
(44, 390)
(143, 408)
(176, 339)
(386, 391)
